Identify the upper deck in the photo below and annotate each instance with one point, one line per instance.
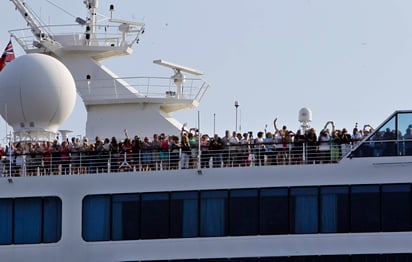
(392, 139)
(365, 186)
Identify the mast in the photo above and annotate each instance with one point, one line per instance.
(92, 5)
(112, 103)
(39, 31)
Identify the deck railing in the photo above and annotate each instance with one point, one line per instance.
(143, 87)
(174, 158)
(76, 35)
(156, 160)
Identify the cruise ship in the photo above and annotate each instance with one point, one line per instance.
(355, 208)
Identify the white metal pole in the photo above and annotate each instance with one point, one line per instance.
(199, 135)
(214, 123)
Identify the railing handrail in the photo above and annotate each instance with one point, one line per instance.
(149, 87)
(105, 34)
(173, 158)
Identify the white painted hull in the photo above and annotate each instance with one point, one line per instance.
(73, 188)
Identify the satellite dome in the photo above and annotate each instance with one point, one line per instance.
(37, 93)
(305, 115)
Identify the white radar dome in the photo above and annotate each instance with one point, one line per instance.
(305, 115)
(37, 93)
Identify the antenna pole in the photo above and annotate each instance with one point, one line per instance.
(31, 20)
(5, 110)
(10, 148)
(92, 5)
(214, 123)
(199, 136)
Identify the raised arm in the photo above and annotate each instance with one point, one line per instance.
(274, 124)
(329, 123)
(370, 128)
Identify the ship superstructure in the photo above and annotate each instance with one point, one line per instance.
(113, 104)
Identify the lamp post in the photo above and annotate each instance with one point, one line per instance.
(214, 124)
(236, 106)
(240, 121)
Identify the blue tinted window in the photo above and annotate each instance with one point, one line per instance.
(6, 221)
(304, 210)
(383, 142)
(52, 219)
(213, 213)
(30, 220)
(366, 258)
(274, 259)
(244, 212)
(155, 216)
(184, 214)
(96, 218)
(396, 207)
(304, 259)
(404, 124)
(27, 220)
(396, 258)
(334, 258)
(334, 209)
(125, 217)
(274, 211)
(244, 259)
(365, 211)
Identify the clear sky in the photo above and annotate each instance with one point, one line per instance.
(348, 61)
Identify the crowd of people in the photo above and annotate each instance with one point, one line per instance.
(162, 152)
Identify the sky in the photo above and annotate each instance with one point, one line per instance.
(347, 61)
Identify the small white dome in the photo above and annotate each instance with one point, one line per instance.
(305, 115)
(38, 91)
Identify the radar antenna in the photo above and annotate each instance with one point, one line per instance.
(178, 77)
(305, 117)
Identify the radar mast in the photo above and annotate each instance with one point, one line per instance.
(140, 105)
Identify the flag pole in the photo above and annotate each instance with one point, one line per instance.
(5, 113)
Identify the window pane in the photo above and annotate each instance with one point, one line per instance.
(244, 259)
(365, 258)
(6, 221)
(334, 258)
(384, 139)
(304, 210)
(396, 258)
(96, 218)
(184, 214)
(304, 259)
(405, 131)
(214, 260)
(243, 212)
(155, 216)
(365, 211)
(27, 220)
(52, 216)
(213, 213)
(125, 217)
(396, 207)
(334, 204)
(274, 211)
(274, 259)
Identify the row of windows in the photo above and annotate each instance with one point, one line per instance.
(329, 258)
(240, 212)
(30, 220)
